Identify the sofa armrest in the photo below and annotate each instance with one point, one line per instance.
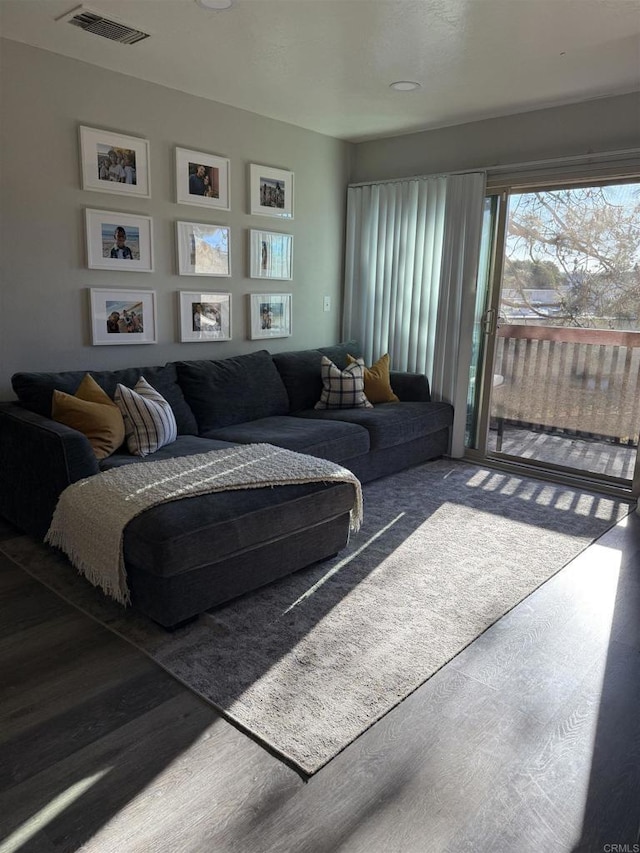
(39, 458)
(410, 387)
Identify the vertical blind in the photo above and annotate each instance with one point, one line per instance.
(410, 275)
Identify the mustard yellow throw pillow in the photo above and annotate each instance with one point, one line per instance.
(377, 385)
(92, 412)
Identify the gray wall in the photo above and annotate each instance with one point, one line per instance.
(606, 124)
(44, 316)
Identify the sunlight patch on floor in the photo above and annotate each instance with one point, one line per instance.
(599, 576)
(342, 563)
(562, 498)
(600, 569)
(58, 804)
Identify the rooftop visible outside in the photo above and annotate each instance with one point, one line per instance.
(568, 355)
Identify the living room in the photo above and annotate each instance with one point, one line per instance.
(42, 192)
(166, 772)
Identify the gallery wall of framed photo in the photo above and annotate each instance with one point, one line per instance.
(52, 178)
(123, 242)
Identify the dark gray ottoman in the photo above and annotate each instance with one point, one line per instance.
(187, 556)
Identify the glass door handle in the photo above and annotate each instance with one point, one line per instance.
(490, 321)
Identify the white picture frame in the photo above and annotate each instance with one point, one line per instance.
(271, 191)
(204, 316)
(203, 249)
(202, 179)
(270, 255)
(120, 317)
(114, 163)
(270, 315)
(119, 241)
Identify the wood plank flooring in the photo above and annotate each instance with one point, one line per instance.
(529, 740)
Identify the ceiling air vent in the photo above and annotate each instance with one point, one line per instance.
(97, 24)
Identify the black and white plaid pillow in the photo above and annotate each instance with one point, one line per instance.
(343, 389)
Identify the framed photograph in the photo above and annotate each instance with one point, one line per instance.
(202, 179)
(119, 241)
(204, 316)
(270, 315)
(113, 163)
(271, 255)
(203, 249)
(122, 316)
(271, 191)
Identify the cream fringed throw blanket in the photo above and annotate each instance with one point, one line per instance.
(90, 517)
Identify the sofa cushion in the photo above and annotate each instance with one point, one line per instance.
(331, 440)
(178, 537)
(92, 412)
(148, 418)
(184, 445)
(377, 384)
(35, 390)
(338, 352)
(391, 424)
(232, 390)
(300, 371)
(342, 389)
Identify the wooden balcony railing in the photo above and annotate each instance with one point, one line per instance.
(579, 381)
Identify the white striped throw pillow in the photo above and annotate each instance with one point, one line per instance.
(149, 421)
(343, 389)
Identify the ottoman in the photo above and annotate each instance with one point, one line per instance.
(189, 555)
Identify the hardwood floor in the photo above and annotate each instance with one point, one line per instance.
(529, 740)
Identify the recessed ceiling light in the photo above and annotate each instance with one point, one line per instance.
(404, 86)
(214, 4)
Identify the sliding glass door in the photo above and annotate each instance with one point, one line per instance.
(561, 332)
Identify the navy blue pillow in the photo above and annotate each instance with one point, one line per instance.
(232, 390)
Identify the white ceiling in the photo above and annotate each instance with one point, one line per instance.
(326, 65)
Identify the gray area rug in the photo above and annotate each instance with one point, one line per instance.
(308, 663)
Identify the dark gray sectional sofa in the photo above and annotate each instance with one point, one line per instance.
(189, 555)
